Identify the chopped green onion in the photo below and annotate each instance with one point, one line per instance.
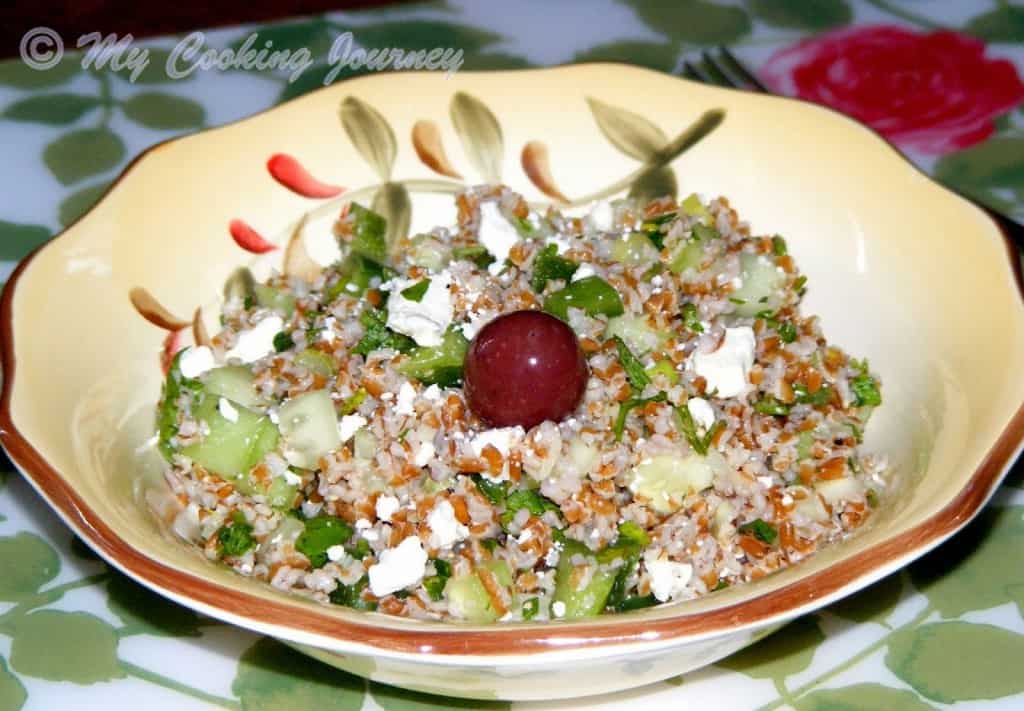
(490, 544)
(416, 292)
(355, 273)
(547, 265)
(592, 294)
(688, 427)
(635, 372)
(761, 530)
(664, 367)
(779, 246)
(632, 403)
(637, 602)
(495, 492)
(799, 284)
(360, 550)
(770, 405)
(434, 584)
(872, 498)
(235, 538)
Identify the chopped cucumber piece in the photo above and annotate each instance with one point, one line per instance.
(693, 207)
(309, 427)
(276, 299)
(686, 255)
(803, 445)
(235, 382)
(364, 444)
(547, 265)
(321, 533)
(280, 494)
(356, 273)
(438, 365)
(369, 233)
(316, 362)
(762, 285)
(589, 600)
(636, 332)
(499, 568)
(592, 294)
(812, 508)
(634, 249)
(666, 479)
(428, 252)
(468, 599)
(230, 449)
(837, 490)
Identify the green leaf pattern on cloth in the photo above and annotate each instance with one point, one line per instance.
(933, 632)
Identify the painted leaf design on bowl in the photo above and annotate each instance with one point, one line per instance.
(371, 135)
(480, 133)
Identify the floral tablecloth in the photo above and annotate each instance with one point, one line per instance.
(941, 79)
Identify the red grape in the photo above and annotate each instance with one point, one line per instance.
(523, 368)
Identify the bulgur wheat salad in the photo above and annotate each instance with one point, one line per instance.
(525, 416)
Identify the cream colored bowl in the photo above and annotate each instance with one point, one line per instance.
(900, 269)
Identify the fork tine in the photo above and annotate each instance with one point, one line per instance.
(737, 68)
(715, 72)
(690, 72)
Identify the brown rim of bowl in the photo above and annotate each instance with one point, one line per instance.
(499, 640)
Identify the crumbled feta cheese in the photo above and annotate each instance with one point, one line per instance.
(602, 217)
(736, 282)
(424, 454)
(335, 553)
(657, 280)
(787, 499)
(258, 341)
(273, 416)
(195, 361)
(766, 481)
(227, 410)
(362, 524)
(398, 567)
(501, 438)
(406, 396)
(727, 370)
(327, 335)
(668, 578)
(701, 412)
(311, 508)
(584, 271)
(477, 320)
(386, 506)
(426, 320)
(524, 536)
(349, 425)
(432, 393)
(445, 529)
(558, 608)
(291, 478)
(387, 397)
(496, 234)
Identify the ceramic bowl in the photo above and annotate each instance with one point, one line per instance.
(900, 270)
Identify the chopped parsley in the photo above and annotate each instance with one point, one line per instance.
(865, 388)
(800, 285)
(592, 294)
(283, 341)
(547, 265)
(632, 403)
(495, 492)
(632, 532)
(787, 331)
(635, 372)
(416, 292)
(530, 608)
(360, 550)
(821, 396)
(688, 427)
(322, 532)
(690, 318)
(434, 584)
(377, 335)
(235, 538)
(779, 246)
(761, 530)
(352, 595)
(527, 499)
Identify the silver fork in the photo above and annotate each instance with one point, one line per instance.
(729, 72)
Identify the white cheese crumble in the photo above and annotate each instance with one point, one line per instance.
(386, 506)
(701, 412)
(335, 553)
(585, 270)
(363, 524)
(445, 529)
(668, 578)
(398, 567)
(602, 217)
(424, 454)
(558, 608)
(195, 361)
(477, 320)
(291, 478)
(501, 438)
(327, 335)
(432, 393)
(258, 341)
(496, 234)
(227, 410)
(406, 397)
(766, 481)
(349, 425)
(426, 320)
(727, 370)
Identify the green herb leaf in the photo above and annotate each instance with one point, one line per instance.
(438, 365)
(627, 406)
(592, 294)
(761, 530)
(378, 336)
(664, 367)
(690, 318)
(416, 292)
(530, 608)
(236, 537)
(495, 492)
(530, 500)
(547, 265)
(799, 285)
(787, 332)
(779, 246)
(635, 372)
(770, 405)
(865, 391)
(322, 532)
(637, 602)
(688, 427)
(369, 233)
(822, 396)
(283, 341)
(434, 584)
(352, 595)
(360, 550)
(632, 532)
(475, 253)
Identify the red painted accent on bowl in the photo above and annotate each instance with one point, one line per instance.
(249, 239)
(287, 170)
